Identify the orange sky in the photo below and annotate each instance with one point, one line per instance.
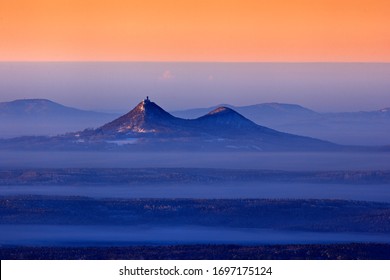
(195, 30)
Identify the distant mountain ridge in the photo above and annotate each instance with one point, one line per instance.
(263, 108)
(355, 128)
(44, 117)
(39, 107)
(269, 109)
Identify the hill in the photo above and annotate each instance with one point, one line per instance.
(44, 117)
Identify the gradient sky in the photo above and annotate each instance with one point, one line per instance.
(195, 30)
(172, 31)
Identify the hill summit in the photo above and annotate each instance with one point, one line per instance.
(227, 117)
(146, 117)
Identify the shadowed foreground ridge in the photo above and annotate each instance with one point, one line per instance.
(352, 251)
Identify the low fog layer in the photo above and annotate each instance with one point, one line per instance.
(378, 193)
(270, 161)
(54, 235)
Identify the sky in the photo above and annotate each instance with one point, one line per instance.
(195, 30)
(198, 52)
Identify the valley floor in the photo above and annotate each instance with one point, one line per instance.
(190, 213)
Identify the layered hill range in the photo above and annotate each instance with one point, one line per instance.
(44, 117)
(150, 127)
(348, 128)
(34, 117)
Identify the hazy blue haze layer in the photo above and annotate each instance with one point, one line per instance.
(115, 87)
(289, 161)
(57, 235)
